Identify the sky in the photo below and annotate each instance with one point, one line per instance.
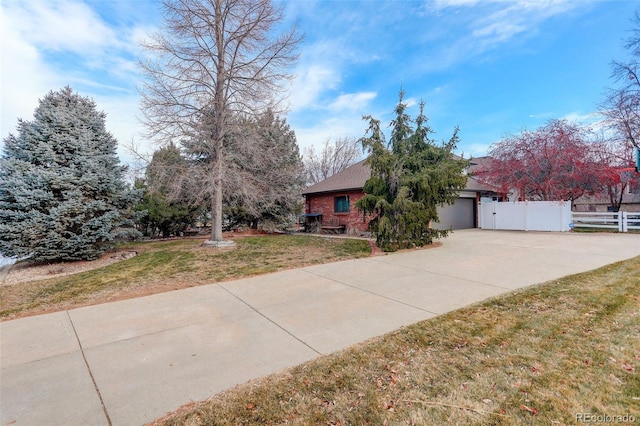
(490, 67)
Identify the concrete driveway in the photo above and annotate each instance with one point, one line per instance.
(129, 362)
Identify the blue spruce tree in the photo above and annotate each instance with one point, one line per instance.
(62, 192)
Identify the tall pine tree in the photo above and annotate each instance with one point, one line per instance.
(62, 192)
(410, 177)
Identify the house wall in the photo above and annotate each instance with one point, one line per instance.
(602, 203)
(324, 204)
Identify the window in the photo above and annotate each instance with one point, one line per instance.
(341, 204)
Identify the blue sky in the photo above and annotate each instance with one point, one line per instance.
(489, 67)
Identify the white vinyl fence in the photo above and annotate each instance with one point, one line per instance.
(620, 221)
(525, 215)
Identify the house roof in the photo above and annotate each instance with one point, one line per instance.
(355, 176)
(480, 163)
(474, 185)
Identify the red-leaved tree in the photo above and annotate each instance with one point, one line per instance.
(618, 168)
(552, 163)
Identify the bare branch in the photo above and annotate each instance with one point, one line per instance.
(621, 107)
(215, 60)
(333, 158)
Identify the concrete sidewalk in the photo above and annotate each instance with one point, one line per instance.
(129, 362)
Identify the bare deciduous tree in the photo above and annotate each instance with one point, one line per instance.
(622, 105)
(215, 60)
(267, 173)
(333, 158)
(616, 168)
(622, 114)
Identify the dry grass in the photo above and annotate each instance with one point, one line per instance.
(542, 355)
(170, 265)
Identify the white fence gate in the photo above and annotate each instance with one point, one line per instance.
(620, 221)
(525, 215)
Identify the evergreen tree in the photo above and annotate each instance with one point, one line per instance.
(410, 177)
(267, 175)
(62, 193)
(166, 207)
(163, 217)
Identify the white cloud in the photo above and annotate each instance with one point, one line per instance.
(498, 31)
(518, 17)
(122, 119)
(139, 34)
(24, 77)
(309, 85)
(318, 73)
(542, 115)
(594, 121)
(443, 4)
(584, 118)
(346, 125)
(476, 150)
(59, 25)
(411, 102)
(47, 45)
(353, 101)
(490, 24)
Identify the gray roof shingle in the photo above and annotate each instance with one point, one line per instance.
(355, 176)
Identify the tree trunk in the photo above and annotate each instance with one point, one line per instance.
(216, 202)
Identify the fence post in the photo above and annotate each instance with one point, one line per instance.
(625, 221)
(619, 217)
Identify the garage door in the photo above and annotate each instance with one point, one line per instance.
(460, 215)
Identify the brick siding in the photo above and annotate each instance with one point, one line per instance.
(324, 203)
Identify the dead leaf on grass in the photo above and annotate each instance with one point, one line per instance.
(615, 379)
(627, 367)
(533, 411)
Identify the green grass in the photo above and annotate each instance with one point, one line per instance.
(162, 266)
(541, 355)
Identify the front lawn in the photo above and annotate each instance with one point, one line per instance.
(170, 265)
(564, 352)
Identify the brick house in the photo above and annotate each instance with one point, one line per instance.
(335, 198)
(332, 202)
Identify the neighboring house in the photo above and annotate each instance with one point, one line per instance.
(333, 202)
(601, 202)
